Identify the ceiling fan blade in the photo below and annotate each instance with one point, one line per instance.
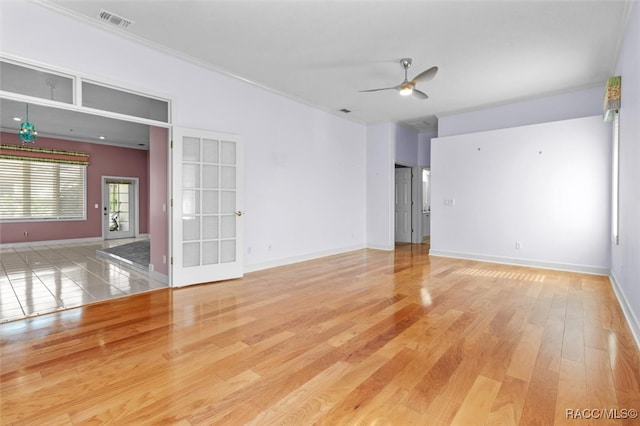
(384, 88)
(426, 75)
(417, 94)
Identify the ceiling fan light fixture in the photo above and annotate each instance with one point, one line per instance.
(406, 91)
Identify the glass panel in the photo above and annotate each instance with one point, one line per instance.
(118, 207)
(209, 252)
(228, 152)
(190, 202)
(190, 254)
(114, 100)
(210, 151)
(228, 226)
(124, 220)
(191, 149)
(210, 227)
(190, 176)
(228, 251)
(228, 177)
(228, 202)
(190, 228)
(210, 176)
(209, 202)
(32, 82)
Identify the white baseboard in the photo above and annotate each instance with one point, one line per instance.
(380, 247)
(52, 242)
(629, 315)
(302, 258)
(585, 269)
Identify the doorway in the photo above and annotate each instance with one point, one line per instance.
(426, 205)
(119, 207)
(403, 204)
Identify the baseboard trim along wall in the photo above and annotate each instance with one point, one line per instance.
(52, 242)
(302, 258)
(633, 322)
(585, 269)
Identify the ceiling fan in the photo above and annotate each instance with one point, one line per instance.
(408, 87)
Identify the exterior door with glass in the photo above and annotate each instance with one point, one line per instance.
(119, 208)
(207, 189)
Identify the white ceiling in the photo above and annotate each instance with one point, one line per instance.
(323, 52)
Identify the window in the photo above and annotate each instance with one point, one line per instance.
(41, 190)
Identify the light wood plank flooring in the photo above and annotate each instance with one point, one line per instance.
(367, 337)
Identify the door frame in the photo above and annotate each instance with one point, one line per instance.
(136, 203)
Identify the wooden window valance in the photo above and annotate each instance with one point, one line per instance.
(44, 155)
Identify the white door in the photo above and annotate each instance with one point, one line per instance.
(119, 204)
(207, 184)
(403, 205)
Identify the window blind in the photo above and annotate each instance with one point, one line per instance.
(41, 190)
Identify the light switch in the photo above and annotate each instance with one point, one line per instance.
(96, 206)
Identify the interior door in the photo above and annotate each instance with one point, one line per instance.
(402, 208)
(207, 184)
(119, 208)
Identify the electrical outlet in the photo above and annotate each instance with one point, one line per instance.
(518, 245)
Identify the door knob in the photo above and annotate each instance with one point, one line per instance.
(238, 213)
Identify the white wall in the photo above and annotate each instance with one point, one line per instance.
(305, 169)
(579, 103)
(380, 155)
(424, 148)
(406, 140)
(545, 186)
(625, 267)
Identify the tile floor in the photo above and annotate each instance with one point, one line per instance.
(41, 279)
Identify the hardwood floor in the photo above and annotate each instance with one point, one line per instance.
(367, 337)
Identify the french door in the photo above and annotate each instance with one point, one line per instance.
(207, 184)
(119, 207)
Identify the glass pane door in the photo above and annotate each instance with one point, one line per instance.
(206, 214)
(119, 209)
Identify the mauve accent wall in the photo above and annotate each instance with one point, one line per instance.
(105, 160)
(158, 199)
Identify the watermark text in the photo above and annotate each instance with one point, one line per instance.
(601, 413)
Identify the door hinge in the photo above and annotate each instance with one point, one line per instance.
(172, 202)
(171, 143)
(412, 230)
(171, 260)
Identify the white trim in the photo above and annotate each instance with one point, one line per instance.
(380, 247)
(52, 242)
(632, 320)
(302, 258)
(568, 267)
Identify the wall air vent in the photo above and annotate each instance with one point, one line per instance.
(114, 19)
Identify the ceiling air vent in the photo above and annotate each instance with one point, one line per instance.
(114, 19)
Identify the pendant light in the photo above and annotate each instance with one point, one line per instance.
(27, 132)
